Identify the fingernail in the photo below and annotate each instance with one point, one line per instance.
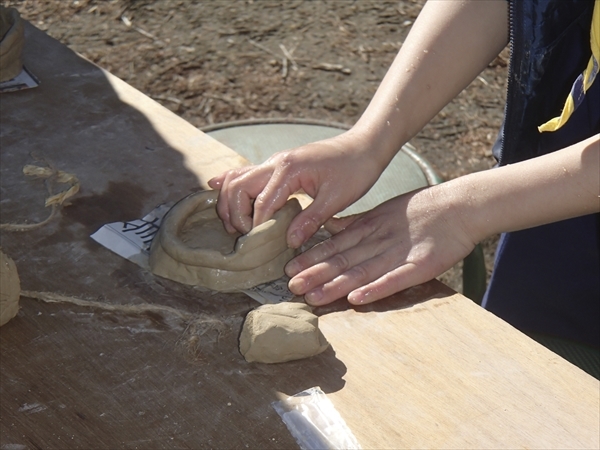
(297, 286)
(357, 298)
(296, 239)
(314, 297)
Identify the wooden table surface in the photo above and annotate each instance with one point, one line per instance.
(426, 368)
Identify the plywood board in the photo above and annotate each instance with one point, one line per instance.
(446, 374)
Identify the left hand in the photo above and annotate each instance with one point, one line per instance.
(403, 242)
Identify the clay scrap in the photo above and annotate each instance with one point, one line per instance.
(281, 332)
(10, 289)
(192, 246)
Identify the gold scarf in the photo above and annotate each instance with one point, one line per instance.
(583, 81)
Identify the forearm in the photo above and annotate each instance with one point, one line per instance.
(450, 43)
(549, 188)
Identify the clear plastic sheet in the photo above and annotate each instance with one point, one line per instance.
(314, 422)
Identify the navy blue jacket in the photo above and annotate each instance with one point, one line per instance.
(547, 279)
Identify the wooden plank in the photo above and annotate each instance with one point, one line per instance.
(447, 374)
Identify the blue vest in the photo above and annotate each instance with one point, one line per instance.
(547, 279)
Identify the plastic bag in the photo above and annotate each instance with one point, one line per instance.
(314, 422)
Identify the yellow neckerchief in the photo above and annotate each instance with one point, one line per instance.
(583, 81)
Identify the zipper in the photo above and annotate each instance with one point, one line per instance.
(515, 41)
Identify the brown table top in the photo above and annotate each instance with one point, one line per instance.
(424, 368)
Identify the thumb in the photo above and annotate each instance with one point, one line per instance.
(337, 224)
(308, 222)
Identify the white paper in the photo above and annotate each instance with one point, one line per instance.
(25, 80)
(272, 292)
(132, 240)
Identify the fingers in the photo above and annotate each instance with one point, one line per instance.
(309, 221)
(320, 253)
(397, 280)
(339, 286)
(302, 227)
(239, 189)
(363, 283)
(250, 196)
(274, 196)
(224, 202)
(337, 266)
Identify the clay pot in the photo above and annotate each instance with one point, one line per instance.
(192, 246)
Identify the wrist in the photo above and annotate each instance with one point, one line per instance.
(460, 204)
(378, 138)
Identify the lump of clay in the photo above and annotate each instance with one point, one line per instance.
(12, 37)
(10, 289)
(282, 332)
(193, 247)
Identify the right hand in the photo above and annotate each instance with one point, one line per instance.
(334, 172)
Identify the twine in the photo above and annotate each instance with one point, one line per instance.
(55, 201)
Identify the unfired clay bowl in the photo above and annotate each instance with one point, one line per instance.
(12, 38)
(192, 246)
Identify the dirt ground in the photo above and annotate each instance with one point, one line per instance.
(222, 60)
